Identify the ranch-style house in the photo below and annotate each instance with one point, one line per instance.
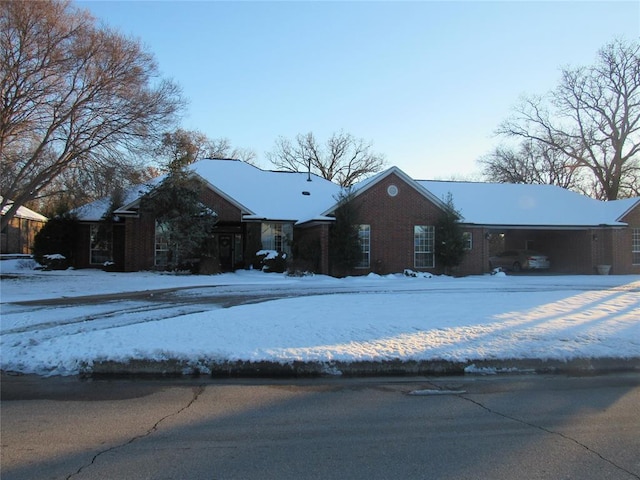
(293, 212)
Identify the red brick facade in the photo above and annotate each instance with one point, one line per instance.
(392, 216)
(621, 243)
(139, 235)
(392, 220)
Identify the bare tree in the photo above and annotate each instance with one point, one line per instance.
(222, 148)
(533, 163)
(343, 159)
(187, 146)
(78, 185)
(73, 95)
(592, 120)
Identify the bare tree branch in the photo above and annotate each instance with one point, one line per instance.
(183, 147)
(71, 94)
(592, 119)
(343, 159)
(533, 163)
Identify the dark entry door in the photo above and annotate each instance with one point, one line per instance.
(225, 251)
(118, 248)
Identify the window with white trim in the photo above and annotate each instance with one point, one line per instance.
(277, 236)
(467, 240)
(100, 244)
(423, 243)
(635, 246)
(162, 244)
(364, 237)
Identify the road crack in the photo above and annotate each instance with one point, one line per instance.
(197, 391)
(552, 432)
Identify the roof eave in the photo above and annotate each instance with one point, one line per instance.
(506, 226)
(381, 176)
(243, 209)
(628, 210)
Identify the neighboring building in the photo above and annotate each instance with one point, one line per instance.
(293, 212)
(18, 236)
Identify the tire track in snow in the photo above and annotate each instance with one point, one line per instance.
(37, 333)
(82, 319)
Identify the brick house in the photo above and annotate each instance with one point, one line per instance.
(256, 210)
(18, 236)
(293, 213)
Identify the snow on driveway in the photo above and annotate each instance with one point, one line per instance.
(315, 318)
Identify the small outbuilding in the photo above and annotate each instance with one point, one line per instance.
(18, 236)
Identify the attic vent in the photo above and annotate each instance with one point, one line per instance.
(306, 193)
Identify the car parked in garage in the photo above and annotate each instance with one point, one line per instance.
(517, 260)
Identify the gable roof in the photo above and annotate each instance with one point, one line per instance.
(259, 194)
(619, 208)
(23, 212)
(289, 196)
(361, 187)
(524, 205)
(96, 210)
(269, 195)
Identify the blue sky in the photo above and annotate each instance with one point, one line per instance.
(426, 82)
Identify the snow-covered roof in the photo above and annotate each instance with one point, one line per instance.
(619, 208)
(300, 198)
(259, 194)
(24, 212)
(508, 204)
(96, 210)
(264, 194)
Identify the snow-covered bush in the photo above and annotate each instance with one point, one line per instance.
(412, 273)
(54, 261)
(271, 261)
(56, 237)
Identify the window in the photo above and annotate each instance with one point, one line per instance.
(100, 244)
(364, 237)
(467, 239)
(635, 246)
(163, 242)
(237, 249)
(423, 236)
(277, 236)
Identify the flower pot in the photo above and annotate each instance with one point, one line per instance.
(603, 269)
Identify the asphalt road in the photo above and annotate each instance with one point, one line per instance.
(494, 427)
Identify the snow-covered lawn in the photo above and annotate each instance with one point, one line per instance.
(322, 319)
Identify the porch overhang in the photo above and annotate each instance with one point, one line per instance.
(617, 225)
(296, 222)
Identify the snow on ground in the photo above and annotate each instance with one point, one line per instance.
(323, 319)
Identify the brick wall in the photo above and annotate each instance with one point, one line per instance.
(139, 240)
(476, 260)
(139, 252)
(227, 212)
(82, 247)
(621, 242)
(392, 220)
(311, 248)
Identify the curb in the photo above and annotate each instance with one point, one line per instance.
(265, 369)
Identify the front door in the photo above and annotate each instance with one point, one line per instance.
(225, 251)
